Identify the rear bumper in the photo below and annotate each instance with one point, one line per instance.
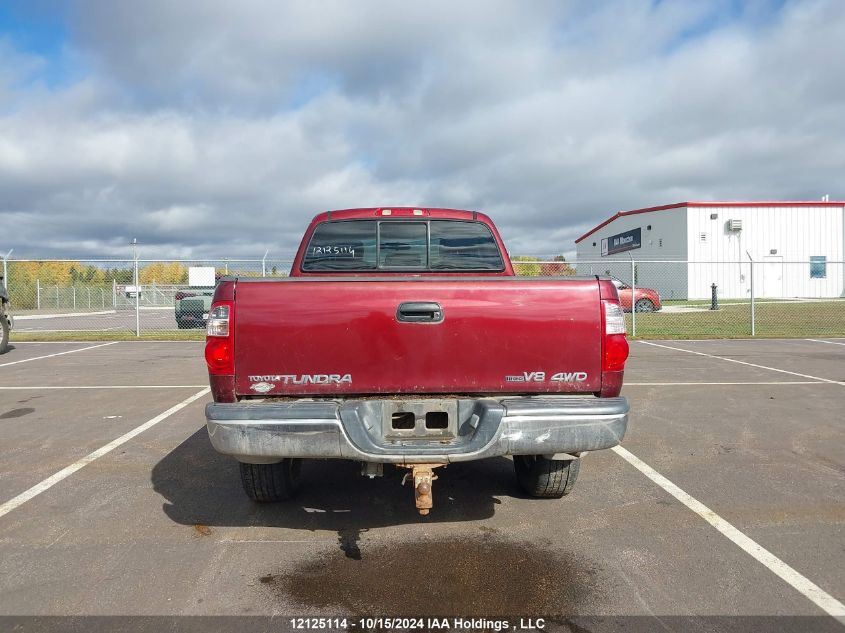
(265, 432)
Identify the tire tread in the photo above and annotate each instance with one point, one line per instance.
(546, 478)
(270, 482)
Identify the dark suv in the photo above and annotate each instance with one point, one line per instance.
(192, 305)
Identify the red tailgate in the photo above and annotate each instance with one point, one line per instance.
(342, 336)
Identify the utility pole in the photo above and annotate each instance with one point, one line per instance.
(753, 316)
(137, 288)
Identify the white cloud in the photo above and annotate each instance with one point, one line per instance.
(210, 129)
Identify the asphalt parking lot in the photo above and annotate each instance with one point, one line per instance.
(113, 503)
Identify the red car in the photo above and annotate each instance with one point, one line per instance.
(403, 337)
(646, 299)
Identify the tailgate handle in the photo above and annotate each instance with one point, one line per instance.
(419, 312)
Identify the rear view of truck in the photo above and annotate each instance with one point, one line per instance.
(402, 337)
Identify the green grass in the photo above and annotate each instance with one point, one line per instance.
(730, 302)
(779, 319)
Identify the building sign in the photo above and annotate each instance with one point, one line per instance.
(621, 242)
(201, 277)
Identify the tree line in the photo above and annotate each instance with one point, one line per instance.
(525, 266)
(24, 277)
(71, 273)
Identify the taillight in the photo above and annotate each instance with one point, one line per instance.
(219, 344)
(615, 351)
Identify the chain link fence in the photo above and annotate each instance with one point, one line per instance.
(108, 299)
(772, 298)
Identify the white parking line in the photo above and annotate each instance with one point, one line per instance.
(742, 362)
(686, 384)
(815, 340)
(797, 581)
(107, 329)
(195, 342)
(627, 384)
(32, 317)
(48, 342)
(757, 339)
(51, 481)
(26, 360)
(40, 387)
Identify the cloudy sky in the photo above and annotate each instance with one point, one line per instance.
(206, 128)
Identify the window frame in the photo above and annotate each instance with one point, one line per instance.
(816, 261)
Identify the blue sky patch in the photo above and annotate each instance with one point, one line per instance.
(35, 29)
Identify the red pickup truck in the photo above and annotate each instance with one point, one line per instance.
(403, 337)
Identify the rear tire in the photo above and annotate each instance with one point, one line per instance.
(271, 482)
(546, 478)
(4, 333)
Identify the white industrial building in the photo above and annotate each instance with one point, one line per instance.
(798, 249)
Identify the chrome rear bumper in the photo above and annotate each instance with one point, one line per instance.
(263, 432)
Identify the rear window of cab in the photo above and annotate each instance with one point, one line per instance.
(396, 245)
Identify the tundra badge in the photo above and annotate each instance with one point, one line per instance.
(305, 379)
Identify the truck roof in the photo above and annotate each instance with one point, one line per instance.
(400, 212)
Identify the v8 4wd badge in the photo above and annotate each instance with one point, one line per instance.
(540, 376)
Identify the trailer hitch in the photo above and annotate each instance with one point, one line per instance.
(423, 477)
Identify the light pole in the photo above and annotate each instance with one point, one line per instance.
(753, 316)
(137, 288)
